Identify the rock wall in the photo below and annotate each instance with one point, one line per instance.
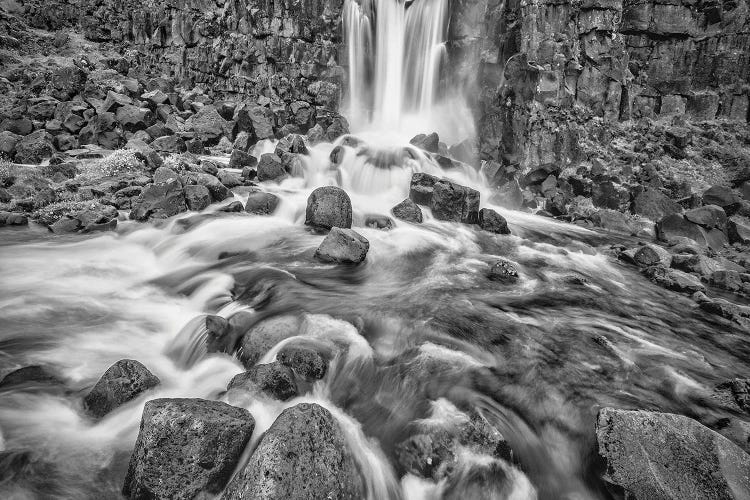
(544, 66)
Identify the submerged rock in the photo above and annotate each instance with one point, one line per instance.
(186, 448)
(377, 221)
(328, 207)
(263, 336)
(503, 271)
(303, 455)
(274, 379)
(408, 211)
(661, 455)
(491, 221)
(30, 375)
(122, 382)
(343, 246)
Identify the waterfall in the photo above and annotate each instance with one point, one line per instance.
(395, 50)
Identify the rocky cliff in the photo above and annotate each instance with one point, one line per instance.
(543, 66)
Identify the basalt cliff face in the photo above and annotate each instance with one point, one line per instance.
(543, 66)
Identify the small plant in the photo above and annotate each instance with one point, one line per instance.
(120, 163)
(55, 211)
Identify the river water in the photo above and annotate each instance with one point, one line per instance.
(425, 330)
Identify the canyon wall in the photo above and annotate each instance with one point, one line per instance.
(543, 67)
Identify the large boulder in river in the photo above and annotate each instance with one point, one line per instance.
(408, 211)
(219, 191)
(273, 379)
(491, 221)
(343, 246)
(186, 449)
(270, 168)
(160, 201)
(122, 382)
(306, 362)
(421, 188)
(675, 226)
(454, 202)
(327, 207)
(260, 203)
(262, 337)
(664, 456)
(303, 455)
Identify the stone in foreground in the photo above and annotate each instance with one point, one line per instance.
(186, 448)
(122, 382)
(303, 455)
(343, 246)
(453, 202)
(664, 456)
(491, 221)
(327, 207)
(408, 211)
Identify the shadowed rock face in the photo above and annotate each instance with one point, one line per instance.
(660, 455)
(122, 382)
(303, 455)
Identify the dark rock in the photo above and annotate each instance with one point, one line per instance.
(241, 159)
(491, 221)
(303, 455)
(262, 120)
(30, 375)
(696, 264)
(408, 211)
(723, 197)
(674, 279)
(270, 168)
(653, 204)
(429, 142)
(292, 143)
(197, 197)
(379, 221)
(327, 207)
(122, 382)
(421, 188)
(453, 202)
(675, 226)
(503, 271)
(233, 207)
(20, 126)
(661, 455)
(208, 125)
(260, 203)
(13, 219)
(133, 118)
(612, 220)
(738, 230)
(159, 201)
(651, 255)
(186, 449)
(274, 379)
(487, 479)
(708, 216)
(229, 178)
(606, 195)
(306, 362)
(727, 279)
(34, 148)
(739, 391)
(8, 141)
(169, 144)
(343, 246)
(265, 335)
(219, 191)
(163, 175)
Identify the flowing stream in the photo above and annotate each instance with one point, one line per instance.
(426, 331)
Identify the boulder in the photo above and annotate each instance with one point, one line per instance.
(327, 207)
(304, 361)
(654, 205)
(240, 159)
(343, 246)
(674, 279)
(504, 272)
(273, 379)
(292, 143)
(377, 221)
(722, 197)
(122, 382)
(408, 211)
(696, 264)
(159, 201)
(219, 191)
(453, 202)
(262, 337)
(738, 230)
(612, 220)
(262, 120)
(651, 255)
(491, 221)
(13, 219)
(675, 226)
(35, 148)
(186, 449)
(708, 216)
(207, 124)
(260, 203)
(30, 375)
(421, 188)
(133, 118)
(169, 144)
(197, 197)
(427, 142)
(606, 195)
(304, 454)
(164, 174)
(660, 455)
(229, 178)
(270, 168)
(8, 141)
(18, 126)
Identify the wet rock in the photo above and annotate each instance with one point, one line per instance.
(303, 455)
(738, 392)
(708, 216)
(197, 197)
(241, 159)
(232, 207)
(427, 142)
(661, 455)
(697, 264)
(122, 382)
(453, 202)
(219, 191)
(328, 207)
(260, 203)
(612, 220)
(379, 221)
(343, 246)
(674, 279)
(273, 379)
(169, 144)
(722, 197)
(421, 188)
(229, 178)
(270, 168)
(651, 255)
(262, 337)
(306, 362)
(491, 221)
(738, 230)
(504, 272)
(30, 375)
(35, 148)
(186, 448)
(675, 226)
(8, 141)
(653, 204)
(159, 201)
(408, 211)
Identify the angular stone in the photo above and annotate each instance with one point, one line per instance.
(34, 148)
(421, 188)
(273, 379)
(260, 203)
(738, 230)
(122, 382)
(169, 144)
(453, 202)
(408, 211)
(186, 449)
(503, 271)
(654, 205)
(239, 159)
(493, 222)
(427, 142)
(306, 362)
(219, 191)
(676, 226)
(651, 255)
(708, 216)
(197, 197)
(262, 337)
(343, 246)
(327, 207)
(270, 168)
(159, 201)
